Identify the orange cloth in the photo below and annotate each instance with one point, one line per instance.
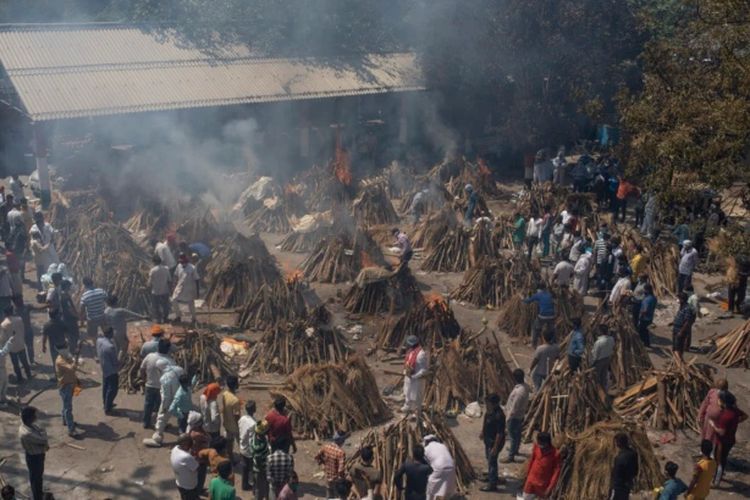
(624, 190)
(211, 391)
(544, 469)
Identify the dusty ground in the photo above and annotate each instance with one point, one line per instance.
(110, 461)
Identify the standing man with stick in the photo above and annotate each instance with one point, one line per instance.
(493, 436)
(35, 445)
(416, 366)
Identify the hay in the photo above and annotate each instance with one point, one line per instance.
(431, 319)
(325, 398)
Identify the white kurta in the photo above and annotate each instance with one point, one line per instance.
(185, 290)
(414, 385)
(442, 480)
(47, 232)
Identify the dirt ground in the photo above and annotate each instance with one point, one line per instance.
(109, 461)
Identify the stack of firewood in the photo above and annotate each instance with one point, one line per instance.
(466, 370)
(271, 217)
(238, 269)
(431, 319)
(668, 399)
(71, 211)
(203, 227)
(517, 318)
(662, 260)
(394, 445)
(567, 402)
(377, 290)
(273, 303)
(588, 458)
(339, 258)
(460, 248)
(373, 207)
(430, 231)
(493, 281)
(325, 398)
(733, 348)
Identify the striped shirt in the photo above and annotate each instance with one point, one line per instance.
(600, 251)
(94, 300)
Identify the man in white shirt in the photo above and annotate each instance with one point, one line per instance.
(515, 412)
(186, 289)
(247, 424)
(562, 273)
(46, 233)
(621, 290)
(165, 251)
(152, 368)
(601, 355)
(416, 365)
(688, 262)
(582, 270)
(185, 468)
(159, 279)
(12, 329)
(442, 481)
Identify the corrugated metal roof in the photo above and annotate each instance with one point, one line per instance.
(88, 70)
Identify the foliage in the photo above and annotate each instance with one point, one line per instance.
(692, 118)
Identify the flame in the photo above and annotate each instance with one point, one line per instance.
(294, 276)
(435, 301)
(341, 162)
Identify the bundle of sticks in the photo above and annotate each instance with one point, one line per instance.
(288, 345)
(372, 207)
(273, 303)
(237, 270)
(377, 290)
(588, 459)
(340, 257)
(451, 252)
(150, 222)
(567, 402)
(330, 192)
(517, 318)
(502, 233)
(130, 373)
(478, 175)
(73, 210)
(662, 260)
(271, 217)
(431, 230)
(434, 197)
(325, 398)
(492, 281)
(200, 354)
(431, 319)
(202, 226)
(110, 256)
(733, 348)
(668, 399)
(394, 445)
(465, 370)
(630, 359)
(303, 242)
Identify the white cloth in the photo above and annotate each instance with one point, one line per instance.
(414, 385)
(12, 329)
(603, 348)
(43, 257)
(185, 468)
(247, 433)
(158, 279)
(211, 415)
(622, 285)
(563, 271)
(186, 289)
(155, 364)
(170, 382)
(442, 481)
(438, 456)
(3, 373)
(47, 232)
(533, 227)
(165, 254)
(688, 261)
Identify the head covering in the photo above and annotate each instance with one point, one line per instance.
(412, 340)
(469, 188)
(262, 427)
(157, 330)
(428, 439)
(194, 419)
(212, 390)
(687, 243)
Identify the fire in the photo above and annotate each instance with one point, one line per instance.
(341, 162)
(435, 301)
(294, 276)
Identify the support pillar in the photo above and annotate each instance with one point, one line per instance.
(40, 154)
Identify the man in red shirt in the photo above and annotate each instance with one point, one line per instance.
(725, 430)
(544, 468)
(280, 425)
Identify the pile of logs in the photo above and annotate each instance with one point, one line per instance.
(340, 257)
(588, 458)
(567, 402)
(130, 373)
(431, 319)
(202, 227)
(733, 348)
(271, 217)
(377, 290)
(450, 254)
(662, 260)
(111, 257)
(466, 370)
(303, 242)
(492, 281)
(325, 398)
(373, 207)
(668, 399)
(149, 223)
(434, 197)
(517, 318)
(72, 211)
(273, 303)
(238, 269)
(394, 445)
(288, 345)
(430, 231)
(200, 354)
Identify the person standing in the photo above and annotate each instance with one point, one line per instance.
(562, 273)
(737, 274)
(576, 346)
(54, 333)
(638, 262)
(620, 293)
(367, 479)
(646, 314)
(200, 442)
(624, 190)
(247, 425)
(93, 303)
(69, 315)
(442, 480)
(209, 407)
(674, 486)
(106, 349)
(624, 469)
(230, 409)
(533, 227)
(185, 468)
(472, 199)
(279, 467)
(152, 368)
(703, 474)
(117, 318)
(333, 459)
(259, 456)
(16, 187)
(515, 408)
(493, 437)
(545, 230)
(166, 249)
(182, 403)
(35, 445)
(159, 279)
(688, 262)
(187, 288)
(544, 359)
(4, 374)
(636, 298)
(42, 257)
(519, 230)
(417, 472)
(12, 329)
(46, 237)
(582, 270)
(169, 384)
(601, 252)
(402, 242)
(682, 326)
(545, 318)
(559, 163)
(711, 409)
(221, 487)
(416, 366)
(280, 425)
(65, 369)
(543, 468)
(601, 356)
(725, 430)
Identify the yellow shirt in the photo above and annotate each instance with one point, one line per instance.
(706, 469)
(637, 264)
(229, 406)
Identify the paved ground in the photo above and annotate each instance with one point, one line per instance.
(110, 461)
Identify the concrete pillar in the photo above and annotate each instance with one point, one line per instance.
(40, 153)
